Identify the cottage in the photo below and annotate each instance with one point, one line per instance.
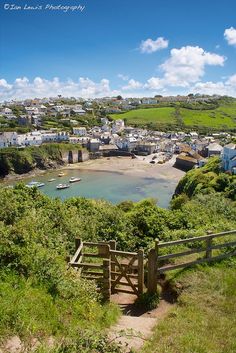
(145, 148)
(229, 157)
(94, 145)
(214, 149)
(187, 160)
(80, 131)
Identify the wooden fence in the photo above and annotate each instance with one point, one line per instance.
(158, 264)
(119, 271)
(114, 271)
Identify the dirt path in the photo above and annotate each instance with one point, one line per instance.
(135, 326)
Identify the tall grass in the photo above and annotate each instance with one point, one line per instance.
(204, 320)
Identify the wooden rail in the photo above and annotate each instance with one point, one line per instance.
(112, 268)
(155, 260)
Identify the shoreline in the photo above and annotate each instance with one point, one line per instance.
(132, 167)
(122, 165)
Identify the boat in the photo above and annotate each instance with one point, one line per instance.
(50, 180)
(62, 186)
(37, 184)
(74, 179)
(61, 174)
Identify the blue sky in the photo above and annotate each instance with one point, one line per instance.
(129, 47)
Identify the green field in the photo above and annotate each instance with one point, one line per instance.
(222, 118)
(164, 115)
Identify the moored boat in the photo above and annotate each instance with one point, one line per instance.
(61, 174)
(51, 180)
(38, 184)
(74, 179)
(62, 186)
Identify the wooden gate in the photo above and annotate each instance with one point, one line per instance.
(127, 272)
(114, 271)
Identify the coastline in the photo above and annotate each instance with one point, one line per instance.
(133, 167)
(123, 165)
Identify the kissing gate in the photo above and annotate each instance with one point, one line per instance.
(114, 271)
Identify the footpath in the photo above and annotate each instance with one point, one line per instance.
(135, 325)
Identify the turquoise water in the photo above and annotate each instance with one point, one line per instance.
(114, 187)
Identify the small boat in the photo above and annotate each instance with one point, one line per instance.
(40, 185)
(35, 183)
(62, 186)
(74, 179)
(50, 180)
(61, 174)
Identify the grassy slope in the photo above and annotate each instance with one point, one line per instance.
(204, 320)
(220, 118)
(144, 116)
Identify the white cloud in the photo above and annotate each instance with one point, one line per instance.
(132, 85)
(22, 88)
(232, 81)
(210, 88)
(187, 65)
(4, 85)
(230, 35)
(123, 77)
(154, 83)
(227, 87)
(150, 46)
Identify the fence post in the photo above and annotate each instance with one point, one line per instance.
(77, 243)
(140, 271)
(104, 250)
(152, 272)
(208, 246)
(68, 259)
(112, 244)
(106, 288)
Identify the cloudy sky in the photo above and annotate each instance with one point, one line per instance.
(127, 47)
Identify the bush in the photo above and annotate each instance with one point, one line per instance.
(148, 301)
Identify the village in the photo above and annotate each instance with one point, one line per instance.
(110, 137)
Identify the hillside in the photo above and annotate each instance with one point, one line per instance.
(53, 304)
(24, 160)
(213, 117)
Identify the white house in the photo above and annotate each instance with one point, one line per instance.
(62, 136)
(80, 131)
(8, 139)
(117, 126)
(214, 149)
(104, 121)
(49, 136)
(229, 157)
(94, 145)
(78, 111)
(32, 110)
(127, 144)
(30, 139)
(6, 112)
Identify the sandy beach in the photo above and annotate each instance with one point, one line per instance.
(137, 167)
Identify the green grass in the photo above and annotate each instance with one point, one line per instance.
(221, 118)
(218, 118)
(150, 115)
(204, 319)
